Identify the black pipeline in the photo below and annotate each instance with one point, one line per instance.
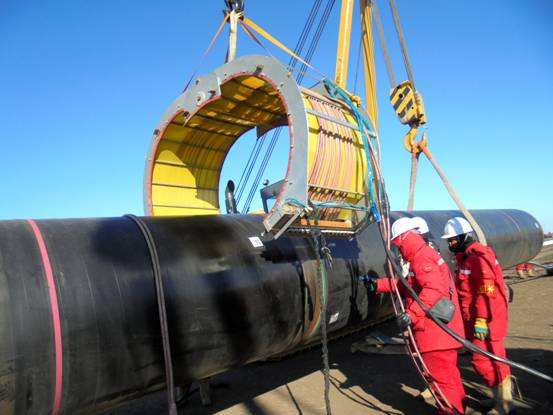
(79, 325)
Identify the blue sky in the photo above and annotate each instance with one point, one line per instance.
(83, 85)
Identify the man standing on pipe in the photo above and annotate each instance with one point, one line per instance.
(432, 282)
(484, 307)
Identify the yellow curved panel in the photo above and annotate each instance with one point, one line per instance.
(191, 152)
(336, 159)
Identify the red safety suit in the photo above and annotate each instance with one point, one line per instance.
(431, 280)
(483, 294)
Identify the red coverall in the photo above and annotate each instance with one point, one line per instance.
(431, 281)
(482, 294)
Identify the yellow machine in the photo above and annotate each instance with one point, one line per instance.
(328, 167)
(327, 162)
(333, 163)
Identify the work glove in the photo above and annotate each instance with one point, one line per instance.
(481, 330)
(369, 281)
(403, 321)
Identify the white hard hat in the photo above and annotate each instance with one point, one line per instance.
(401, 226)
(456, 226)
(420, 224)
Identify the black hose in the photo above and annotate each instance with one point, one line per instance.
(470, 346)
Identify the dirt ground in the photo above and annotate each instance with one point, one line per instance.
(364, 383)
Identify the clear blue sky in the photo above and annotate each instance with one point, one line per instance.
(83, 84)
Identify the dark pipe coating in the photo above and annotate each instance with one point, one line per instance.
(230, 300)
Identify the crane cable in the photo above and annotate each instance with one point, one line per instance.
(299, 47)
(260, 141)
(302, 71)
(207, 50)
(247, 24)
(305, 64)
(383, 45)
(396, 273)
(421, 146)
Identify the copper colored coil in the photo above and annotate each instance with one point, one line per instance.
(343, 143)
(350, 153)
(352, 149)
(342, 133)
(339, 173)
(325, 138)
(314, 174)
(315, 167)
(329, 159)
(344, 149)
(322, 145)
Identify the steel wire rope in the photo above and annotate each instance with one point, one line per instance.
(383, 45)
(402, 43)
(313, 45)
(292, 62)
(245, 177)
(276, 133)
(316, 38)
(357, 65)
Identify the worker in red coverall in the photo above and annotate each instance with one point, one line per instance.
(432, 281)
(484, 300)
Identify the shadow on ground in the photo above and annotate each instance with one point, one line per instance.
(360, 384)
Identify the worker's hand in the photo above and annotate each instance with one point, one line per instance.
(481, 330)
(403, 321)
(369, 281)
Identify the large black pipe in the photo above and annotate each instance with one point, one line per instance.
(229, 300)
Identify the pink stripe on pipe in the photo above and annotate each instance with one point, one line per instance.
(55, 313)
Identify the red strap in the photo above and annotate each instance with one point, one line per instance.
(56, 321)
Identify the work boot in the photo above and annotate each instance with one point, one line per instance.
(504, 398)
